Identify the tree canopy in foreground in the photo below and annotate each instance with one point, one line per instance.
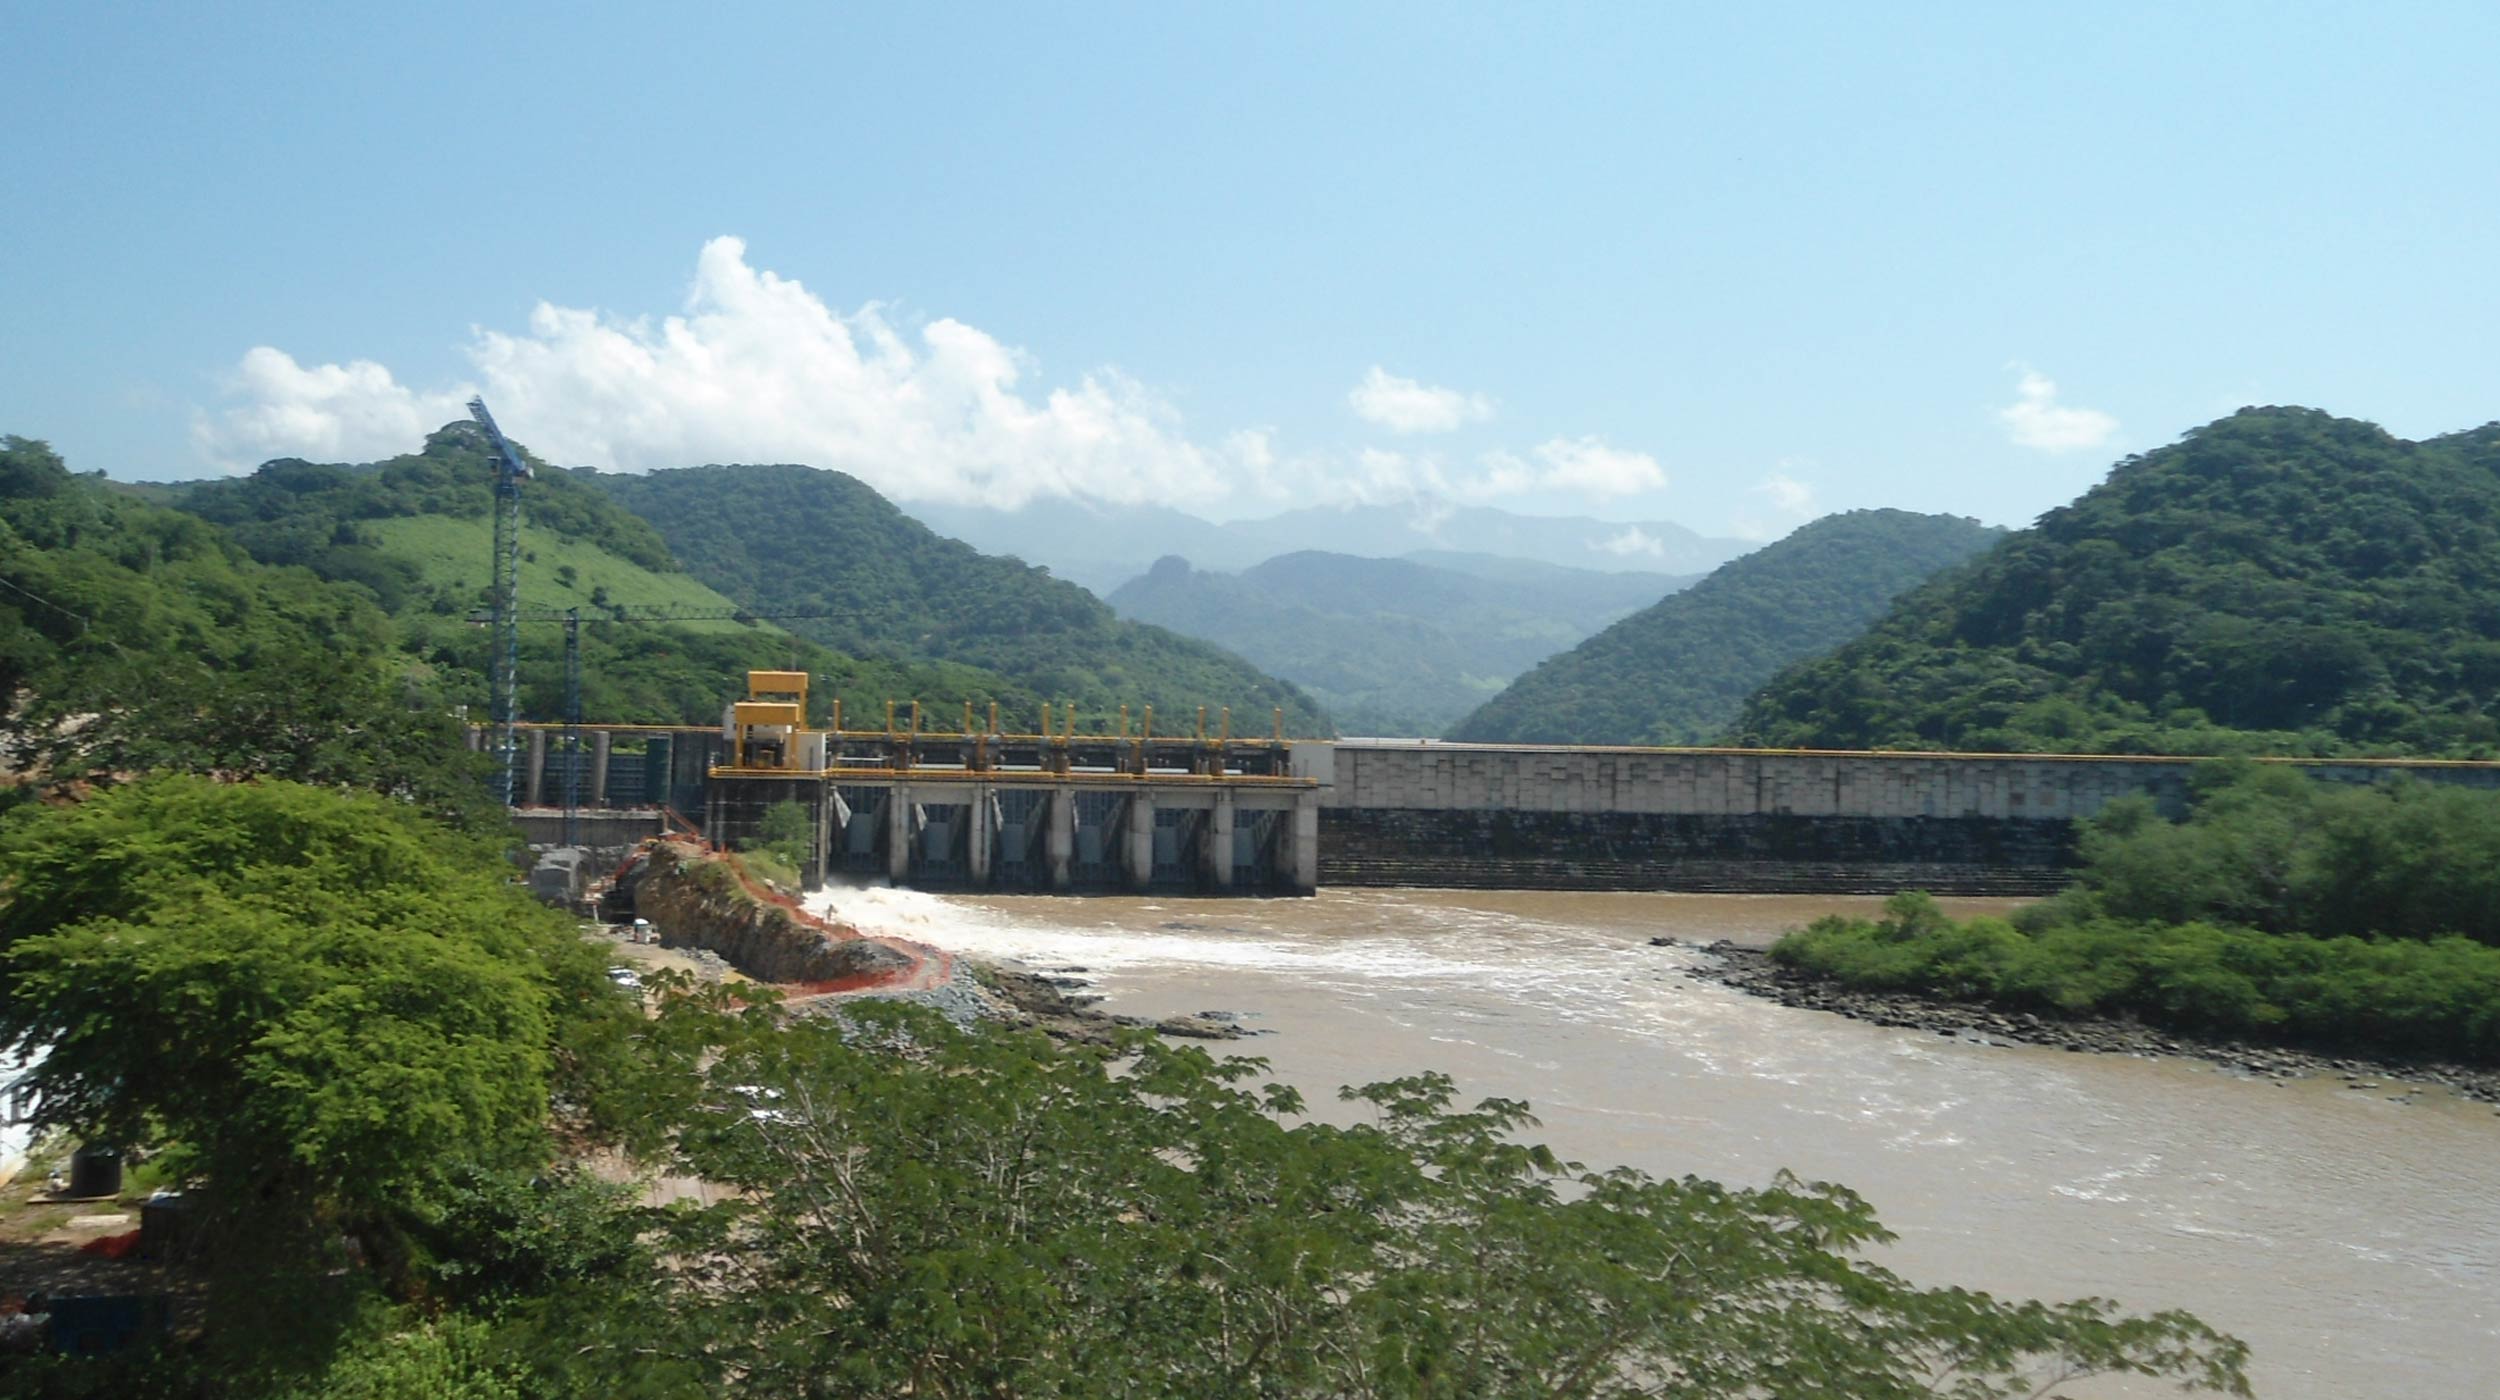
(325, 1004)
(920, 1209)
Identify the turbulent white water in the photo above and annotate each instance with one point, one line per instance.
(2354, 1240)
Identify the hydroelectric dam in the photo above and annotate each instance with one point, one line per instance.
(975, 808)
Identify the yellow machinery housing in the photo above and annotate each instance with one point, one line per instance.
(768, 730)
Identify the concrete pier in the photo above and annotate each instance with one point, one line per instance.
(952, 833)
(534, 791)
(600, 745)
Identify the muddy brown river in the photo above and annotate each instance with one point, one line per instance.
(2353, 1239)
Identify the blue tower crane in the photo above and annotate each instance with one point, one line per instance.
(510, 472)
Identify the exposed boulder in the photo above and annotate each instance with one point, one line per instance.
(698, 899)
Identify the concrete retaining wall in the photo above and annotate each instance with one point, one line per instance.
(1481, 816)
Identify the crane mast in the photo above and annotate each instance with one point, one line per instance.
(506, 621)
(510, 472)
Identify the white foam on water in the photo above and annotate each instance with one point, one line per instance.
(958, 927)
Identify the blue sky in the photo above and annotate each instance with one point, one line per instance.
(1726, 266)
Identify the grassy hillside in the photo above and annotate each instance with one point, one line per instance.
(2280, 579)
(451, 557)
(315, 514)
(792, 538)
(414, 535)
(1390, 646)
(1679, 672)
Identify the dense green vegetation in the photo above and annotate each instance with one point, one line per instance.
(1678, 672)
(2351, 917)
(329, 1016)
(295, 512)
(797, 539)
(2437, 997)
(87, 574)
(135, 638)
(414, 533)
(2266, 848)
(1390, 646)
(2277, 581)
(330, 1020)
(988, 1214)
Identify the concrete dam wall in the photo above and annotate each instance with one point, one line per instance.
(1767, 821)
(1403, 812)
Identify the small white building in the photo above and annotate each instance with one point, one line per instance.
(17, 1109)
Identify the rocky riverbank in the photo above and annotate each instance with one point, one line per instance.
(705, 901)
(1052, 999)
(1751, 970)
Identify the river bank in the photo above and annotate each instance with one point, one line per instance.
(1752, 971)
(2349, 1239)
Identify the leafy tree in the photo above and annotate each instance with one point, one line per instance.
(338, 722)
(325, 1002)
(2265, 847)
(2436, 997)
(2279, 907)
(921, 1209)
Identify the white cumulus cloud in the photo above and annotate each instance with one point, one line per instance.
(1789, 496)
(1631, 542)
(331, 413)
(2036, 419)
(756, 369)
(1406, 406)
(1582, 466)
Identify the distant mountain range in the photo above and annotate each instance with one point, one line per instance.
(1679, 671)
(1391, 646)
(1103, 546)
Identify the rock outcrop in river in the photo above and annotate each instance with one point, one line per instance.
(699, 899)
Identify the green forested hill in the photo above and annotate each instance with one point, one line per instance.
(794, 538)
(413, 533)
(90, 576)
(134, 637)
(1390, 646)
(1678, 672)
(2280, 579)
(291, 511)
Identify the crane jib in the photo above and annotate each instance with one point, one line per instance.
(509, 460)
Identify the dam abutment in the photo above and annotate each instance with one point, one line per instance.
(1743, 820)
